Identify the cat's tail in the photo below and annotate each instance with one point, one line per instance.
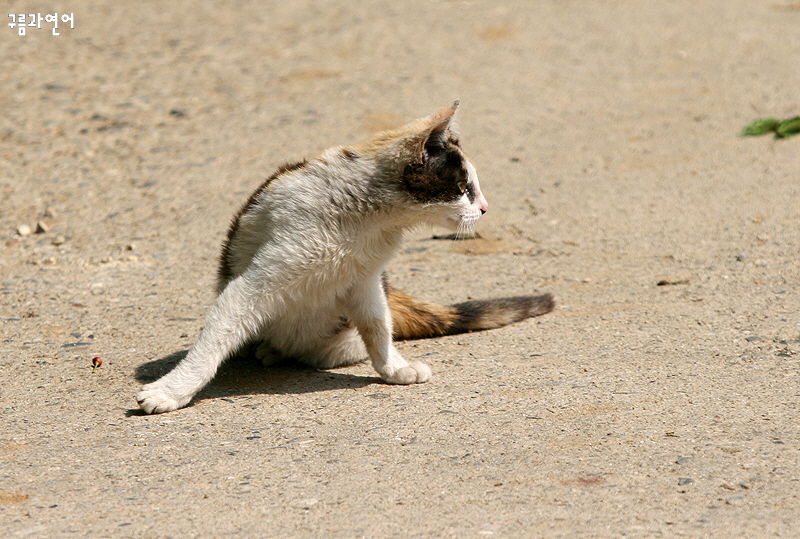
(412, 319)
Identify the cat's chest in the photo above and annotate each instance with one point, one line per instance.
(362, 254)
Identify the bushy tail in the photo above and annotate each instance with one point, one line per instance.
(414, 319)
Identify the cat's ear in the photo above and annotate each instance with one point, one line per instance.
(433, 136)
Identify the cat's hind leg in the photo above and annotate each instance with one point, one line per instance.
(267, 354)
(343, 349)
(235, 319)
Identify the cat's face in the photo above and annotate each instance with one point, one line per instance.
(443, 181)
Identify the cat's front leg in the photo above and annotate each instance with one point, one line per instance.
(233, 320)
(370, 312)
(415, 372)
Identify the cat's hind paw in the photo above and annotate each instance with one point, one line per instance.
(268, 355)
(153, 399)
(414, 373)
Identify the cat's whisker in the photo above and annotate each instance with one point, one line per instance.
(462, 231)
(466, 229)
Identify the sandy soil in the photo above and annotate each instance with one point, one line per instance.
(606, 136)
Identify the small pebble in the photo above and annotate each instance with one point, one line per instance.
(41, 227)
(59, 240)
(685, 481)
(741, 257)
(307, 504)
(761, 263)
(50, 212)
(24, 230)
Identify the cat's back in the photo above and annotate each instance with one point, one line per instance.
(301, 210)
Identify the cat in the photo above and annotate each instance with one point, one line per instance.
(301, 271)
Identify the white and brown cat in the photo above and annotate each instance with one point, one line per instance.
(301, 272)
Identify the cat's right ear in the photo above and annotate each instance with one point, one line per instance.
(444, 114)
(432, 138)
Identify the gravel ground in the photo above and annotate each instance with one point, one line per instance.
(660, 399)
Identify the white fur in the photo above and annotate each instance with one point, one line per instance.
(308, 254)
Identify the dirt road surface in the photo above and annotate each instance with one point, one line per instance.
(606, 137)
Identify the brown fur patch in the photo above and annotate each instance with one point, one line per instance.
(438, 179)
(349, 154)
(412, 319)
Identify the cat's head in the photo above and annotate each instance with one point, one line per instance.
(437, 180)
(438, 175)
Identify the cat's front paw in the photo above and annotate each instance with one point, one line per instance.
(414, 373)
(156, 399)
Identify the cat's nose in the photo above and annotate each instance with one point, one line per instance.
(484, 206)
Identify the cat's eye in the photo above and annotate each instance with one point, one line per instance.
(462, 186)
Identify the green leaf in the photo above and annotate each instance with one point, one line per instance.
(760, 127)
(789, 127)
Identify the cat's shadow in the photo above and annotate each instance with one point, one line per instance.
(247, 376)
